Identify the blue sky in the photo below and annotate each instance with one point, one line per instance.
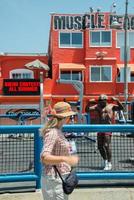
(25, 24)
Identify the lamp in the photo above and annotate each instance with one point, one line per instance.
(116, 25)
(113, 6)
(101, 54)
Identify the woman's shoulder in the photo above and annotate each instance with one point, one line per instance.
(52, 130)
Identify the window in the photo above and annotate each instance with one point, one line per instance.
(71, 40)
(71, 75)
(120, 75)
(21, 74)
(130, 39)
(132, 76)
(101, 73)
(120, 78)
(66, 75)
(100, 38)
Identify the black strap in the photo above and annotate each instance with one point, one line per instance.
(58, 173)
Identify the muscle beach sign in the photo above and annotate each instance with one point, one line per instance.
(89, 21)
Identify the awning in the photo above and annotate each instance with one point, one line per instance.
(71, 66)
(37, 64)
(131, 66)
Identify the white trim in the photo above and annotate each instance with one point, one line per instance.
(20, 96)
(22, 54)
(108, 58)
(64, 47)
(21, 71)
(47, 95)
(65, 96)
(25, 96)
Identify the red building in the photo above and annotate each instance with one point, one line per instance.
(82, 48)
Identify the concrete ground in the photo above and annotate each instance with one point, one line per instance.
(122, 193)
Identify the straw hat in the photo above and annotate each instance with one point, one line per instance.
(103, 97)
(62, 109)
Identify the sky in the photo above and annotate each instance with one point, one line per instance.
(25, 24)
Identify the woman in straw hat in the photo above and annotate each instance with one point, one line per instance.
(56, 151)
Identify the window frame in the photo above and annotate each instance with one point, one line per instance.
(21, 71)
(121, 72)
(100, 44)
(100, 66)
(124, 38)
(131, 76)
(70, 46)
(79, 71)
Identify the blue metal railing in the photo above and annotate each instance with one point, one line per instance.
(31, 176)
(34, 129)
(98, 128)
(102, 128)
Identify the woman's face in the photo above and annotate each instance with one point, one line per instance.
(65, 120)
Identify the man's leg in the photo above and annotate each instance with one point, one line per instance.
(101, 142)
(107, 146)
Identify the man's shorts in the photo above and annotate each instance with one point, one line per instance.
(104, 133)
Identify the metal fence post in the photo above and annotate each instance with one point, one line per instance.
(37, 163)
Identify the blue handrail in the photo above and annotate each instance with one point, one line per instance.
(67, 128)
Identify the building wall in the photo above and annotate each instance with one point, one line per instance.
(9, 62)
(87, 57)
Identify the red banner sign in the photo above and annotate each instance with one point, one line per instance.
(21, 87)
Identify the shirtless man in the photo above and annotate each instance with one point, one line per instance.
(105, 116)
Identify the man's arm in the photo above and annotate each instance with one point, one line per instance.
(119, 105)
(90, 105)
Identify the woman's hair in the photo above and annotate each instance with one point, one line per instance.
(60, 111)
(51, 123)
